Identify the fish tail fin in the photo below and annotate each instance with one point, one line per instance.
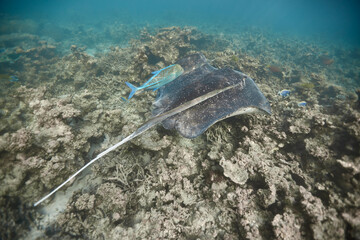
(133, 89)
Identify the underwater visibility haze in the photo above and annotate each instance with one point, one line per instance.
(162, 95)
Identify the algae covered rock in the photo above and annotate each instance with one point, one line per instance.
(235, 171)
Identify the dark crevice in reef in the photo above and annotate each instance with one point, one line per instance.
(299, 180)
(238, 228)
(95, 145)
(323, 195)
(266, 230)
(237, 135)
(339, 177)
(152, 59)
(76, 123)
(305, 228)
(52, 230)
(351, 233)
(345, 144)
(16, 217)
(298, 148)
(257, 182)
(278, 206)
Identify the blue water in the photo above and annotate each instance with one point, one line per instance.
(329, 20)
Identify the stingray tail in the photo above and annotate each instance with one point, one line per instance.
(133, 89)
(140, 130)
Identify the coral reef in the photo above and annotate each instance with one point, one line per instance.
(291, 175)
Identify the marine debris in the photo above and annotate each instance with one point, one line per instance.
(191, 103)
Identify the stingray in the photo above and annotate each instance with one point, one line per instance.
(201, 96)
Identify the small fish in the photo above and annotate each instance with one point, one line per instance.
(274, 69)
(13, 79)
(284, 93)
(2, 50)
(326, 60)
(160, 78)
(302, 104)
(8, 77)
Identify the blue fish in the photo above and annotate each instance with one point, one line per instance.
(13, 79)
(284, 93)
(302, 104)
(160, 78)
(2, 50)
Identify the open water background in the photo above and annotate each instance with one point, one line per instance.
(336, 21)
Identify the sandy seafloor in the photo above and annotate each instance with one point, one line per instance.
(292, 175)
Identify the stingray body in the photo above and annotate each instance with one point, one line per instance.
(200, 78)
(201, 96)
